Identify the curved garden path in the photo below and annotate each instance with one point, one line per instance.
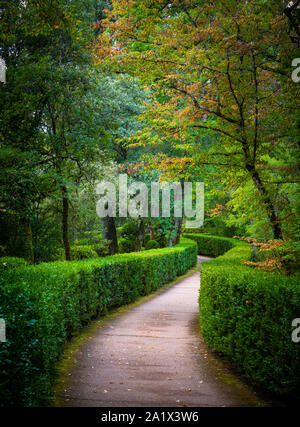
(153, 355)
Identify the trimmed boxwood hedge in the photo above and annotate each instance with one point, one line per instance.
(246, 314)
(44, 305)
(212, 245)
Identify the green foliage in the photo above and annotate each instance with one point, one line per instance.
(152, 244)
(9, 263)
(193, 230)
(44, 305)
(129, 237)
(217, 226)
(101, 249)
(91, 237)
(162, 240)
(289, 255)
(286, 256)
(78, 253)
(126, 245)
(211, 245)
(257, 172)
(130, 229)
(82, 252)
(81, 242)
(146, 238)
(247, 315)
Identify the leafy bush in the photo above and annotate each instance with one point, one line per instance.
(128, 242)
(82, 252)
(78, 253)
(247, 315)
(92, 237)
(161, 240)
(276, 255)
(43, 305)
(8, 263)
(81, 242)
(126, 245)
(101, 249)
(130, 229)
(152, 244)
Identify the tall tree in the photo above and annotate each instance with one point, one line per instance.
(225, 68)
(51, 126)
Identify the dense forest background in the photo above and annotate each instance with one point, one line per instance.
(173, 90)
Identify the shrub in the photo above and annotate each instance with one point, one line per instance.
(128, 241)
(81, 242)
(161, 240)
(199, 230)
(101, 249)
(129, 229)
(8, 263)
(78, 253)
(276, 255)
(212, 245)
(152, 244)
(45, 304)
(247, 315)
(82, 252)
(92, 237)
(126, 245)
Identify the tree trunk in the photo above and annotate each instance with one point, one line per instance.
(142, 232)
(65, 224)
(152, 233)
(28, 241)
(109, 234)
(254, 247)
(75, 233)
(175, 232)
(178, 229)
(271, 212)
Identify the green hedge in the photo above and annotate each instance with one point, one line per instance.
(212, 245)
(9, 262)
(246, 314)
(152, 244)
(44, 305)
(198, 230)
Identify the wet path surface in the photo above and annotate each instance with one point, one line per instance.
(153, 355)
